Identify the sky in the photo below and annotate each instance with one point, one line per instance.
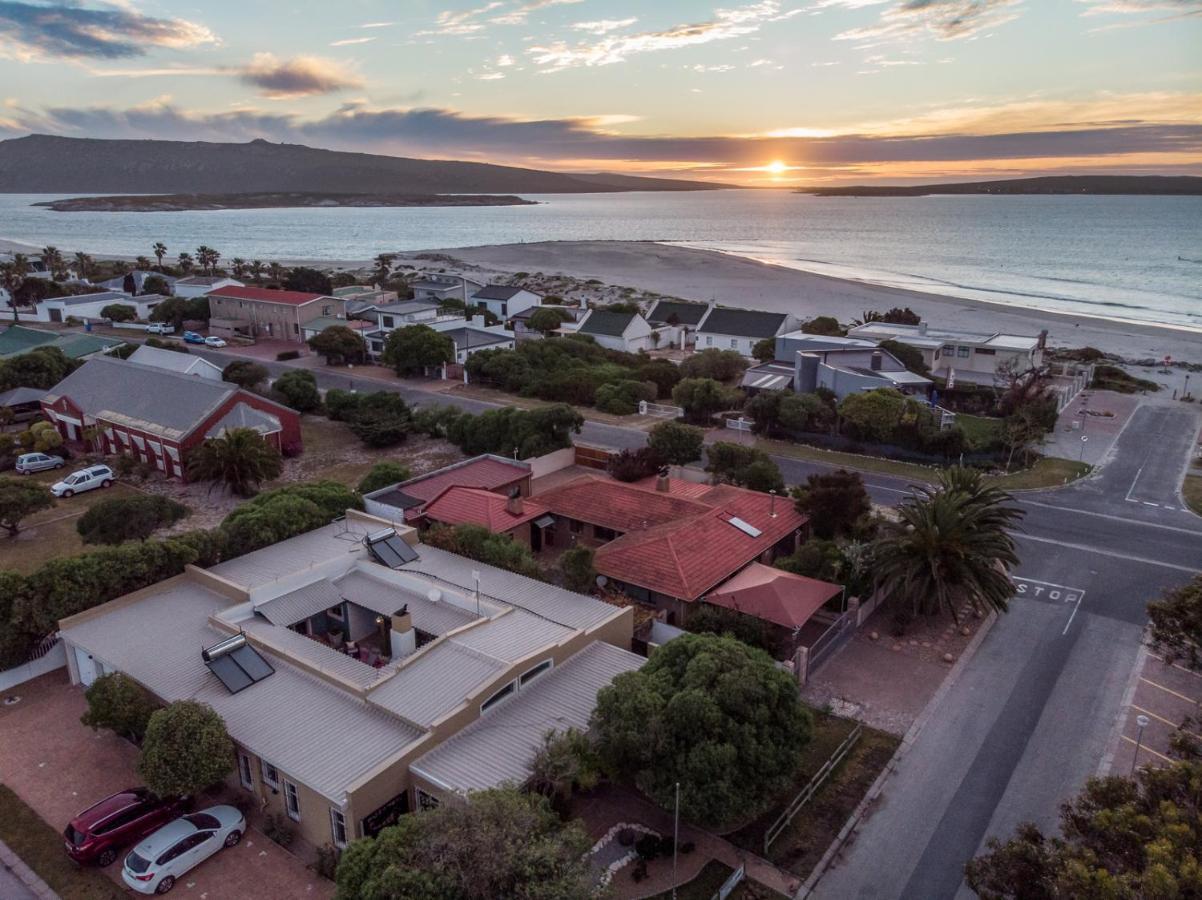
(754, 92)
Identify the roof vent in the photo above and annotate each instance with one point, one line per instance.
(746, 527)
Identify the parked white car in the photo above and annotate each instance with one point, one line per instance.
(160, 328)
(158, 862)
(213, 341)
(28, 463)
(84, 480)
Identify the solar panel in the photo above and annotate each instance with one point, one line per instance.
(745, 527)
(391, 550)
(236, 663)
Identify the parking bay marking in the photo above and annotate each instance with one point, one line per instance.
(1056, 593)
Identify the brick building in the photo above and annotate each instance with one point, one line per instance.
(272, 315)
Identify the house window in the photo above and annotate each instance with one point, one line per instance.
(291, 800)
(271, 775)
(734, 343)
(426, 802)
(604, 534)
(497, 697)
(296, 328)
(387, 321)
(338, 828)
(327, 310)
(575, 526)
(949, 349)
(504, 309)
(244, 773)
(962, 352)
(986, 351)
(709, 340)
(531, 674)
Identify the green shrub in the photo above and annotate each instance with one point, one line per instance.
(576, 565)
(186, 749)
(286, 355)
(298, 388)
(120, 704)
(382, 475)
(128, 519)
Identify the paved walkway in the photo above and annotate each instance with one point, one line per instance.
(610, 805)
(18, 881)
(1098, 416)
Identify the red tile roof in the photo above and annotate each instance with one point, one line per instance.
(481, 472)
(289, 298)
(459, 505)
(680, 542)
(779, 597)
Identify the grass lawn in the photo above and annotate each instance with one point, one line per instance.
(1192, 489)
(51, 533)
(981, 431)
(799, 847)
(1047, 472)
(41, 847)
(853, 461)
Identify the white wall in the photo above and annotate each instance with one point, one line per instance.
(552, 462)
(711, 341)
(55, 659)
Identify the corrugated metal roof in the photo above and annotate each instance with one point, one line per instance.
(565, 607)
(312, 730)
(435, 618)
(244, 416)
(306, 650)
(513, 635)
(604, 322)
(295, 555)
(292, 607)
(752, 323)
(173, 361)
(435, 682)
(499, 747)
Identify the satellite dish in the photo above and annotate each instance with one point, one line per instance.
(602, 581)
(434, 595)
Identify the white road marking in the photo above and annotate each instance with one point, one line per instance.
(1150, 503)
(1134, 483)
(1110, 553)
(1055, 592)
(1123, 519)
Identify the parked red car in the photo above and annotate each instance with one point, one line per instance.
(99, 833)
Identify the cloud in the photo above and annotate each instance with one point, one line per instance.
(505, 60)
(945, 20)
(31, 31)
(461, 22)
(726, 24)
(1108, 131)
(377, 24)
(1141, 12)
(300, 76)
(346, 42)
(604, 26)
(519, 15)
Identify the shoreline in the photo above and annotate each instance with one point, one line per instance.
(742, 281)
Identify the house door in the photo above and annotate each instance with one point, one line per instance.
(86, 666)
(536, 538)
(56, 315)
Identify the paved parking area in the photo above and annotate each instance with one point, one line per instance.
(1098, 416)
(60, 767)
(1163, 695)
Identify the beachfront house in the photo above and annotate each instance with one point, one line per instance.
(439, 287)
(199, 285)
(90, 306)
(265, 314)
(135, 282)
(725, 328)
(679, 314)
(806, 362)
(503, 300)
(961, 355)
(628, 332)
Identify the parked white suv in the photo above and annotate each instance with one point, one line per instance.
(156, 863)
(160, 328)
(83, 480)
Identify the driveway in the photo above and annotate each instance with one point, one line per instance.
(60, 767)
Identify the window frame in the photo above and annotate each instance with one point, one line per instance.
(338, 824)
(270, 781)
(534, 671)
(246, 775)
(291, 800)
(426, 801)
(498, 697)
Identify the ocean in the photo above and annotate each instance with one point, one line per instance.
(1126, 258)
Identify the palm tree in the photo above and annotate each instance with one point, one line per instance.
(142, 262)
(256, 269)
(276, 272)
(12, 276)
(207, 257)
(383, 268)
(83, 264)
(238, 267)
(185, 263)
(53, 259)
(240, 459)
(160, 250)
(952, 546)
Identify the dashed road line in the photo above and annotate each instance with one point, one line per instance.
(1148, 749)
(1167, 690)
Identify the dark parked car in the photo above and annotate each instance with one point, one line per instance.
(99, 833)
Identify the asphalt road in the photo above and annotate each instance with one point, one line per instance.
(1034, 713)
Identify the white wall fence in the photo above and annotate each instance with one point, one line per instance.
(739, 424)
(55, 658)
(660, 410)
(552, 462)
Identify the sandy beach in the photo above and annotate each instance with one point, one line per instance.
(736, 281)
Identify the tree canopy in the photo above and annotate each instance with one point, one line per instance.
(827, 325)
(711, 713)
(720, 365)
(178, 310)
(383, 474)
(281, 513)
(545, 319)
(1119, 838)
(677, 443)
(744, 466)
(834, 501)
(339, 345)
(186, 749)
(119, 312)
(120, 519)
(1177, 624)
(245, 373)
(19, 499)
(526, 432)
(502, 843)
(478, 543)
(118, 703)
(702, 398)
(298, 388)
(380, 419)
(309, 280)
(41, 367)
(414, 348)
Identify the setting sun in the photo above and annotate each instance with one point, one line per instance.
(776, 167)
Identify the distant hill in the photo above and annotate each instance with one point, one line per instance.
(1051, 184)
(58, 165)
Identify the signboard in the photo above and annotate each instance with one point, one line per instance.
(388, 814)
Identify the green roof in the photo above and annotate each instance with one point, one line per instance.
(17, 340)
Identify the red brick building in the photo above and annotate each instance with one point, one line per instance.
(263, 313)
(158, 416)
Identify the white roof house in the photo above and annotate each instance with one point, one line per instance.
(339, 657)
(174, 361)
(198, 285)
(90, 306)
(972, 356)
(504, 300)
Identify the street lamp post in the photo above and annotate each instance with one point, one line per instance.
(1081, 455)
(1142, 722)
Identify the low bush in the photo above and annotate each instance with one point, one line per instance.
(128, 519)
(286, 355)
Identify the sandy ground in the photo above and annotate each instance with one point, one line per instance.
(736, 281)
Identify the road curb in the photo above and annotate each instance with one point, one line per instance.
(1116, 731)
(878, 786)
(25, 875)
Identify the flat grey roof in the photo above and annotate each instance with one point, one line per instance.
(499, 747)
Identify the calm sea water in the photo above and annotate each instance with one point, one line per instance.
(1133, 258)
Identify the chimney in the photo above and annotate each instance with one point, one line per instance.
(514, 504)
(772, 505)
(401, 637)
(661, 482)
(877, 358)
(1043, 339)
